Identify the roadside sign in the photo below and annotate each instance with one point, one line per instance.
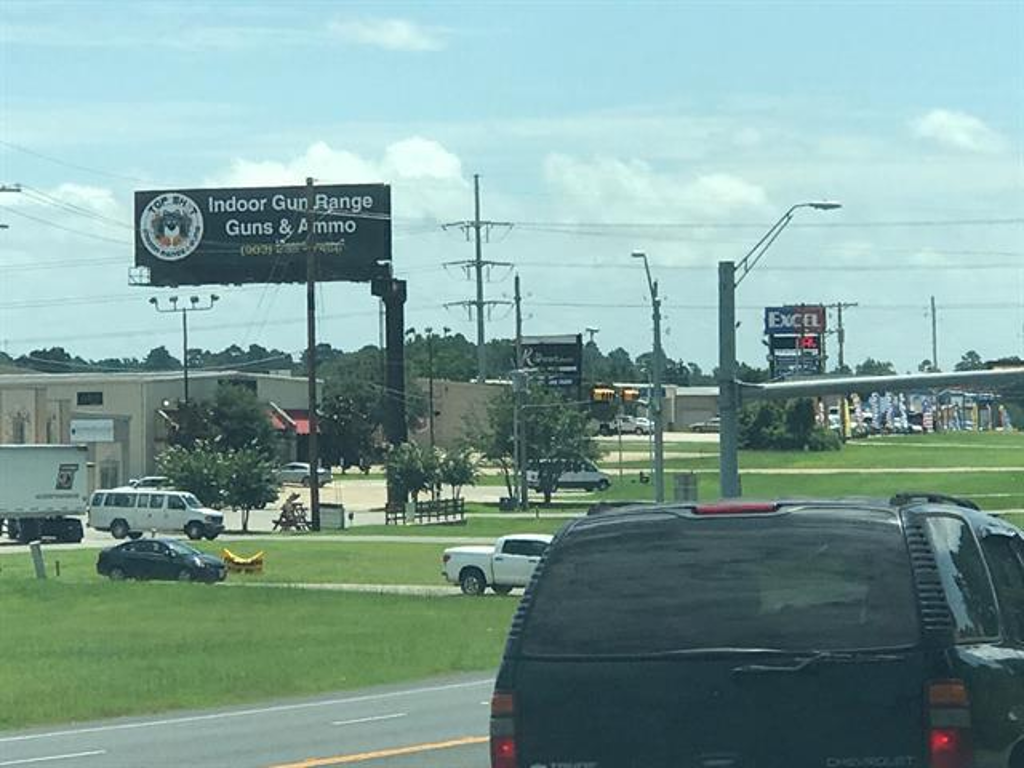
(799, 319)
(259, 234)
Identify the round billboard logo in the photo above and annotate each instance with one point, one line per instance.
(171, 226)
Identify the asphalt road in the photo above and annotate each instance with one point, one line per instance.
(431, 724)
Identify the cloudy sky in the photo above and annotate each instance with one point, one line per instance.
(598, 128)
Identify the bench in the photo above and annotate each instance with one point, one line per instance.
(444, 511)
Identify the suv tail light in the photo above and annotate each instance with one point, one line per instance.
(503, 731)
(735, 508)
(949, 717)
(445, 558)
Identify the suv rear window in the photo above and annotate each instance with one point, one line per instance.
(822, 579)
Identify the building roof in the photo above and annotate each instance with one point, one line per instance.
(36, 378)
(696, 391)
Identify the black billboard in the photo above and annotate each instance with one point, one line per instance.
(261, 234)
(555, 361)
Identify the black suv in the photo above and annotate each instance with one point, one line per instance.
(834, 634)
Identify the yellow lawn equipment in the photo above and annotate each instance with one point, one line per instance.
(240, 564)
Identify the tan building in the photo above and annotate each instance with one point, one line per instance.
(125, 418)
(458, 406)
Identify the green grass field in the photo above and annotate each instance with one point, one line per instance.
(308, 561)
(84, 651)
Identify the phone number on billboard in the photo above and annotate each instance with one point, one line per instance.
(289, 249)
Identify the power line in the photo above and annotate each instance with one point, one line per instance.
(67, 164)
(868, 224)
(37, 195)
(55, 225)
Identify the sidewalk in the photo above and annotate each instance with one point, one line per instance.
(416, 590)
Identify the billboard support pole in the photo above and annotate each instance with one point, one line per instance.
(314, 425)
(393, 293)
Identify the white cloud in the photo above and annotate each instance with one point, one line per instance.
(631, 190)
(390, 34)
(957, 130)
(427, 178)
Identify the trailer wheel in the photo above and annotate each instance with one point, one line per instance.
(119, 528)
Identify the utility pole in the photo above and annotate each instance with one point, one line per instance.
(314, 426)
(935, 339)
(480, 267)
(839, 306)
(656, 393)
(519, 388)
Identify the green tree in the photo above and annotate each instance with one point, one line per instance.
(784, 426)
(408, 471)
(159, 359)
(250, 482)
(971, 361)
(556, 432)
(200, 468)
(348, 425)
(621, 367)
(872, 367)
(241, 421)
(457, 468)
(51, 360)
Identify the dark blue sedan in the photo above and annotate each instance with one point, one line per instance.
(167, 559)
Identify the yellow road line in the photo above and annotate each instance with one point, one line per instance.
(321, 762)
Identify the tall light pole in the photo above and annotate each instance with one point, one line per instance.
(656, 393)
(728, 389)
(193, 305)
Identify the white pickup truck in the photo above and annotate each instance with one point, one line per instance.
(509, 563)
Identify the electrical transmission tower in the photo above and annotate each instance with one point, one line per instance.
(479, 269)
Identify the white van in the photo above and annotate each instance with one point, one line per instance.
(132, 512)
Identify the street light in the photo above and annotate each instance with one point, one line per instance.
(728, 389)
(656, 394)
(193, 305)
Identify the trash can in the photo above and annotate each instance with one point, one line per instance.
(332, 516)
(684, 486)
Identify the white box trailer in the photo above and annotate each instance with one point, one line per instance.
(43, 491)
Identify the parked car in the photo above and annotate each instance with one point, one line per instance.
(167, 559)
(583, 475)
(507, 564)
(131, 512)
(298, 472)
(708, 425)
(818, 633)
(623, 424)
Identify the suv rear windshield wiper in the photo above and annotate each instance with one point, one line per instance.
(809, 659)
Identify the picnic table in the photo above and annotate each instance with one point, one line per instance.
(292, 518)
